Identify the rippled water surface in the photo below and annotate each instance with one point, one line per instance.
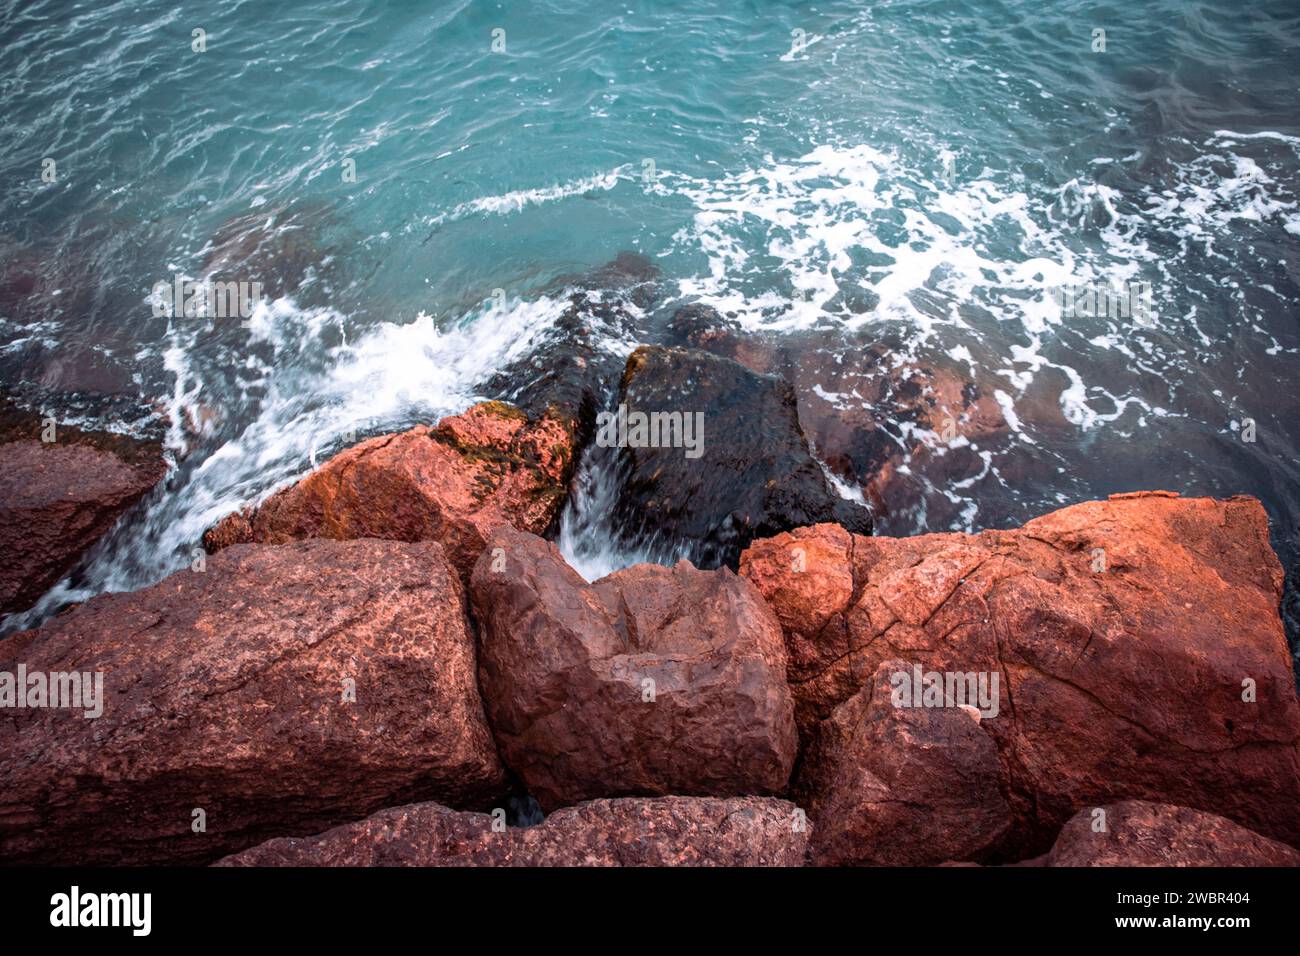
(920, 174)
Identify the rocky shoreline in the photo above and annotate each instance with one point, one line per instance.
(380, 664)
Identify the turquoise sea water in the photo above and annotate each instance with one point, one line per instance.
(924, 171)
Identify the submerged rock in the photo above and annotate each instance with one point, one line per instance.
(59, 497)
(651, 681)
(1136, 643)
(893, 428)
(280, 691)
(745, 473)
(668, 831)
(454, 483)
(1136, 833)
(282, 249)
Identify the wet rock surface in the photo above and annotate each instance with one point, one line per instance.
(59, 497)
(751, 475)
(281, 691)
(571, 370)
(896, 431)
(455, 483)
(668, 831)
(650, 681)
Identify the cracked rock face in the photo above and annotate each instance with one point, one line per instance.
(1136, 640)
(669, 831)
(226, 691)
(651, 681)
(1137, 833)
(455, 483)
(893, 786)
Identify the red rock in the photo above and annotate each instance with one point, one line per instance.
(1137, 833)
(1120, 683)
(224, 690)
(668, 831)
(563, 666)
(893, 786)
(455, 483)
(59, 498)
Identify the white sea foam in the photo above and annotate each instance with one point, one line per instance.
(516, 200)
(396, 375)
(847, 234)
(786, 244)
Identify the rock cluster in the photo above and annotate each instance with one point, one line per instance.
(386, 654)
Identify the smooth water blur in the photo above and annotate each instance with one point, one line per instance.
(924, 171)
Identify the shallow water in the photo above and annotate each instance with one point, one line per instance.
(917, 173)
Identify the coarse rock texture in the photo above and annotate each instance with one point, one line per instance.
(651, 681)
(227, 690)
(667, 831)
(454, 483)
(1137, 643)
(1137, 833)
(58, 498)
(901, 786)
(753, 475)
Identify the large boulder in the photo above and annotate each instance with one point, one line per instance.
(1136, 833)
(59, 497)
(280, 691)
(1137, 642)
(747, 471)
(668, 831)
(454, 483)
(651, 681)
(901, 786)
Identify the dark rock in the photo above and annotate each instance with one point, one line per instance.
(573, 369)
(754, 475)
(866, 415)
